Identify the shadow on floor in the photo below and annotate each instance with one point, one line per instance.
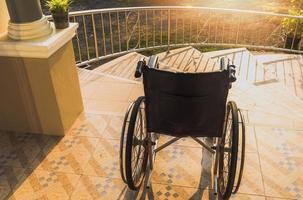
(20, 154)
(203, 192)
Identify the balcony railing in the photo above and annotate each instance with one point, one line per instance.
(106, 33)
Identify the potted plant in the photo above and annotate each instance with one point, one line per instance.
(293, 27)
(59, 11)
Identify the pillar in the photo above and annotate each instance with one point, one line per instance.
(26, 20)
(39, 85)
(3, 17)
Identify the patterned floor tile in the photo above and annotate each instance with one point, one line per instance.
(167, 192)
(5, 192)
(21, 150)
(105, 107)
(247, 197)
(251, 145)
(105, 160)
(112, 91)
(76, 144)
(42, 184)
(11, 176)
(170, 167)
(91, 187)
(136, 92)
(281, 161)
(69, 160)
(252, 182)
(279, 141)
(98, 125)
(281, 177)
(88, 125)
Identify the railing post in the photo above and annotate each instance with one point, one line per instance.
(85, 35)
(168, 31)
(139, 27)
(161, 28)
(154, 29)
(119, 31)
(103, 34)
(111, 33)
(146, 28)
(126, 30)
(95, 36)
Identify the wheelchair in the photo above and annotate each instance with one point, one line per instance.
(184, 105)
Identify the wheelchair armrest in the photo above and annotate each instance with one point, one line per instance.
(138, 72)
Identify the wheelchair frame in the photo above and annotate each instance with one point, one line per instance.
(216, 148)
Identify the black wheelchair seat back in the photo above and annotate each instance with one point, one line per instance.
(185, 104)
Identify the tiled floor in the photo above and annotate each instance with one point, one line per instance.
(84, 164)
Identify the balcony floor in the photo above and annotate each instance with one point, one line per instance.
(84, 164)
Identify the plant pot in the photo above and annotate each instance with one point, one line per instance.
(292, 42)
(61, 20)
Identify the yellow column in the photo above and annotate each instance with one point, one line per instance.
(3, 17)
(39, 86)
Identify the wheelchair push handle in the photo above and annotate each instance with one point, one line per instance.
(231, 68)
(140, 64)
(152, 63)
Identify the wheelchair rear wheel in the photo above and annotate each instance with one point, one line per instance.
(241, 153)
(123, 142)
(228, 152)
(136, 153)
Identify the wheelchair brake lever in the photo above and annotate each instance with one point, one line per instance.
(138, 72)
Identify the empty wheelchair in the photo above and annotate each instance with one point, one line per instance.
(184, 105)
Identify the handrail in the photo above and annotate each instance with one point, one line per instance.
(106, 33)
(105, 10)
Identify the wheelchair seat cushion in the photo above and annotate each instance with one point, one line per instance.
(185, 104)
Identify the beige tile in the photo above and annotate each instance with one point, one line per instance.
(251, 145)
(89, 89)
(239, 196)
(75, 144)
(89, 125)
(70, 160)
(183, 166)
(279, 141)
(19, 156)
(105, 160)
(105, 107)
(118, 91)
(98, 125)
(10, 176)
(136, 92)
(42, 184)
(163, 191)
(5, 192)
(281, 175)
(252, 182)
(90, 187)
(281, 161)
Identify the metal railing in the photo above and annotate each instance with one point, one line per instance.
(106, 33)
